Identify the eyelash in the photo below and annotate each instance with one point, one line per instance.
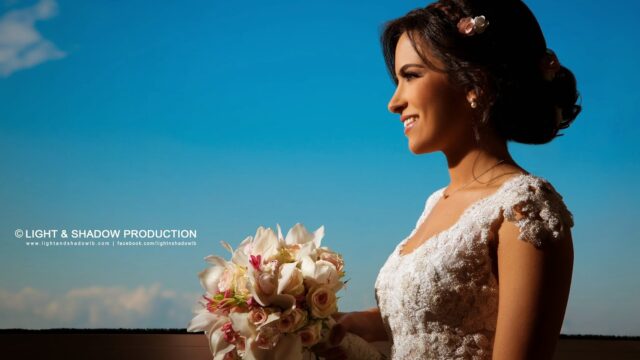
(409, 76)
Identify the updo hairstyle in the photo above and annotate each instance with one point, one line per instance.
(504, 64)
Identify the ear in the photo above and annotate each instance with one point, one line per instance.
(472, 95)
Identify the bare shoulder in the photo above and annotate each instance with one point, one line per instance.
(535, 265)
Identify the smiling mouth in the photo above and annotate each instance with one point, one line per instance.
(409, 123)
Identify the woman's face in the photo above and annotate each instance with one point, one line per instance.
(442, 113)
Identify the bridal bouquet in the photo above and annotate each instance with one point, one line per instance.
(273, 299)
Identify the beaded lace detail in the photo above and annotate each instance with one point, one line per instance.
(440, 301)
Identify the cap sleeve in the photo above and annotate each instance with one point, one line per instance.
(538, 210)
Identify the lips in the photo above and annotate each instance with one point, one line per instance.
(409, 122)
(403, 118)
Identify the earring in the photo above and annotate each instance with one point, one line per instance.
(473, 103)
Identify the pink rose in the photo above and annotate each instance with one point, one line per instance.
(310, 334)
(257, 316)
(292, 320)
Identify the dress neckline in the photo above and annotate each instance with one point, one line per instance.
(438, 194)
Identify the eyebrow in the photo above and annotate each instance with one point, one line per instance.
(405, 66)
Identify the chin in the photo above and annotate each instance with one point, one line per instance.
(418, 149)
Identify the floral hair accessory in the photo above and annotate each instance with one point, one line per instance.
(549, 65)
(469, 26)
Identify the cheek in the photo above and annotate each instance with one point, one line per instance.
(442, 108)
(445, 106)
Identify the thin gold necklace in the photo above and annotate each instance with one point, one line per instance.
(474, 179)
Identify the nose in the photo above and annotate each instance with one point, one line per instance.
(397, 103)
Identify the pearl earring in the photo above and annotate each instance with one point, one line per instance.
(473, 103)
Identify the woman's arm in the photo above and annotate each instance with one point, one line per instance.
(367, 324)
(534, 288)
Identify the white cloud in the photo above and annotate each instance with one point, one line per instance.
(21, 45)
(97, 307)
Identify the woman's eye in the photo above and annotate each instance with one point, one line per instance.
(409, 76)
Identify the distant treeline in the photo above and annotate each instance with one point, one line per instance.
(184, 331)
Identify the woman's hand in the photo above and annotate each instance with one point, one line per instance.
(366, 324)
(332, 349)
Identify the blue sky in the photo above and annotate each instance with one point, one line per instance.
(222, 117)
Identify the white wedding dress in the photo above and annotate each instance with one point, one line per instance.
(440, 301)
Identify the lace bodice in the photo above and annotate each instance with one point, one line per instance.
(440, 301)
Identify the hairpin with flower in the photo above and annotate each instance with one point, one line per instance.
(472, 25)
(549, 65)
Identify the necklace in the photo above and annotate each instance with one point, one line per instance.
(474, 180)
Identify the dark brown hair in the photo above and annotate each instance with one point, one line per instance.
(502, 64)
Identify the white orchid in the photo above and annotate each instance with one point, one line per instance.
(210, 277)
(203, 321)
(290, 280)
(218, 345)
(265, 243)
(264, 286)
(320, 272)
(298, 234)
(241, 254)
(211, 324)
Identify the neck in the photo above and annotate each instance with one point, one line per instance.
(471, 161)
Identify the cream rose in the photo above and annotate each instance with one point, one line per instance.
(322, 301)
(332, 257)
(299, 318)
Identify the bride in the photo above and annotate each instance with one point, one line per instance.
(486, 271)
